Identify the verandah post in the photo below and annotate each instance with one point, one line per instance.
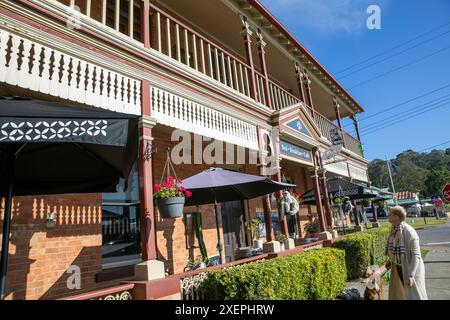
(247, 33)
(315, 180)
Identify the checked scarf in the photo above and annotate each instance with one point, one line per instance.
(396, 244)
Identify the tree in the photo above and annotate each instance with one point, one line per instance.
(436, 181)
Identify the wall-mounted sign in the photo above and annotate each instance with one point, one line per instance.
(295, 151)
(297, 125)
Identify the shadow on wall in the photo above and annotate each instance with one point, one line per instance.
(39, 256)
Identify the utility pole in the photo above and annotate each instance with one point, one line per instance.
(392, 182)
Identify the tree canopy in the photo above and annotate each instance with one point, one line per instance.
(427, 172)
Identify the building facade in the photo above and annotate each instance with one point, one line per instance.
(223, 77)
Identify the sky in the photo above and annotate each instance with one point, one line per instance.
(399, 71)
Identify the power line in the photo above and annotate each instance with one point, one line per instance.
(391, 56)
(393, 48)
(399, 68)
(402, 120)
(437, 145)
(400, 104)
(416, 108)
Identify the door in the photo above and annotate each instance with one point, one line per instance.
(233, 232)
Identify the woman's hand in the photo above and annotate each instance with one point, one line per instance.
(411, 281)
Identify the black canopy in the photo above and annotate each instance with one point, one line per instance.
(48, 147)
(338, 187)
(65, 148)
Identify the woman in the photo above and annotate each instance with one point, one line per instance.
(405, 261)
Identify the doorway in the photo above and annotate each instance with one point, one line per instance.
(233, 228)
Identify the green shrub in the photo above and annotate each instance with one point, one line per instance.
(363, 249)
(315, 274)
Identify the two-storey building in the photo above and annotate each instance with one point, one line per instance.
(217, 72)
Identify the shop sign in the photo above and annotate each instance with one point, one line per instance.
(295, 151)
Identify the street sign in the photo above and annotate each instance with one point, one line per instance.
(446, 192)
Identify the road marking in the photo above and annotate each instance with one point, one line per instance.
(436, 243)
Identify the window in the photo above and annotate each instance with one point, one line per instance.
(121, 225)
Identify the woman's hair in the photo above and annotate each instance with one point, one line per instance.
(399, 212)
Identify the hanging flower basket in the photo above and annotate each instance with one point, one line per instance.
(170, 197)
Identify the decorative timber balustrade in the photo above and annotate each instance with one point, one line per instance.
(31, 65)
(180, 42)
(177, 112)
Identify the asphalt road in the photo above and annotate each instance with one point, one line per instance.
(437, 236)
(437, 261)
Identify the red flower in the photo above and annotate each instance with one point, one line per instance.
(188, 194)
(170, 180)
(179, 181)
(157, 187)
(183, 189)
(168, 185)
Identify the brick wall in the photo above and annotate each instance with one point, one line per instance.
(39, 256)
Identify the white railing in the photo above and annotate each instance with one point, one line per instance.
(177, 112)
(37, 67)
(180, 42)
(280, 97)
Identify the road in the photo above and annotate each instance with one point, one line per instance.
(437, 261)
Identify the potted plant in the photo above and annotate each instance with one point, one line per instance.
(338, 201)
(281, 238)
(312, 228)
(198, 263)
(170, 196)
(253, 227)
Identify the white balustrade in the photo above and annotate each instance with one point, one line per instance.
(177, 112)
(31, 65)
(199, 52)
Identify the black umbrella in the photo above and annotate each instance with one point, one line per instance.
(48, 148)
(338, 187)
(217, 185)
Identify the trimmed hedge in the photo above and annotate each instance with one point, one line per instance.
(363, 249)
(315, 274)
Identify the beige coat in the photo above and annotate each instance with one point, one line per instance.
(412, 266)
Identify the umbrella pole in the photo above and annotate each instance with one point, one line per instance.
(219, 242)
(6, 229)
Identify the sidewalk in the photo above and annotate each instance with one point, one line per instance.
(437, 276)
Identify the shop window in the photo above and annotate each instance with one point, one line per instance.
(121, 224)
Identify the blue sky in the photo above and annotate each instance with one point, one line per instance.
(335, 32)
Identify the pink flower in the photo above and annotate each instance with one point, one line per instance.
(183, 189)
(170, 179)
(168, 185)
(188, 194)
(179, 181)
(157, 187)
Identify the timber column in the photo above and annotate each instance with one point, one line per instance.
(299, 76)
(247, 34)
(150, 268)
(307, 84)
(277, 177)
(262, 59)
(317, 195)
(355, 123)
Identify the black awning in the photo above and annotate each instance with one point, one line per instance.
(63, 148)
(338, 187)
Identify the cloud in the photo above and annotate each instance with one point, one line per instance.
(327, 16)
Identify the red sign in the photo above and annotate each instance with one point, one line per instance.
(446, 192)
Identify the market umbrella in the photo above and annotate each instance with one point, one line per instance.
(338, 187)
(217, 185)
(48, 147)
